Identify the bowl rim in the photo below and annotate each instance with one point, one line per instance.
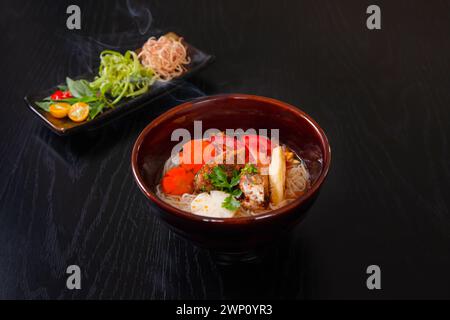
(285, 210)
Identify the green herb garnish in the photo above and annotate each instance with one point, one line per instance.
(249, 169)
(79, 88)
(120, 76)
(231, 203)
(44, 105)
(220, 181)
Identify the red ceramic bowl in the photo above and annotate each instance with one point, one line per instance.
(231, 111)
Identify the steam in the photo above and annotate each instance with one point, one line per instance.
(85, 49)
(185, 91)
(141, 14)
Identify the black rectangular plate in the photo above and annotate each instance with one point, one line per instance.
(199, 60)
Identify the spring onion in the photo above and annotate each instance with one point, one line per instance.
(121, 76)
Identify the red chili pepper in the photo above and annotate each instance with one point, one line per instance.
(66, 95)
(57, 95)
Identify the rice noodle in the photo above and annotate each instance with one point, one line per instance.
(166, 56)
(297, 182)
(181, 202)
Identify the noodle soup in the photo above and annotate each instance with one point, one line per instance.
(227, 177)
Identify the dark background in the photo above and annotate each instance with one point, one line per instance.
(382, 97)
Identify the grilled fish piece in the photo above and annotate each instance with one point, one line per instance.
(255, 188)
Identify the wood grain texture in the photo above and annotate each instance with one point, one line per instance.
(381, 96)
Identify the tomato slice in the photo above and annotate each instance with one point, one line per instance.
(59, 110)
(229, 143)
(195, 154)
(259, 148)
(79, 112)
(231, 146)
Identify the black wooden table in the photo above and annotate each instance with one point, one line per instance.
(382, 97)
